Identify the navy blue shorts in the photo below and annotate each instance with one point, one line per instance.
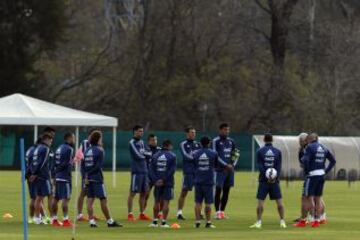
(62, 190)
(204, 193)
(188, 182)
(314, 186)
(96, 190)
(139, 183)
(273, 189)
(163, 193)
(42, 187)
(32, 190)
(224, 179)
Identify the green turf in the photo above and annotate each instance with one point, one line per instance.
(343, 209)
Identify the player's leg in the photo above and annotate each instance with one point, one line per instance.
(38, 206)
(156, 207)
(323, 213)
(228, 184)
(144, 190)
(199, 197)
(208, 193)
(275, 194)
(65, 204)
(281, 211)
(90, 210)
(262, 192)
(187, 185)
(80, 202)
(218, 190)
(132, 193)
(165, 213)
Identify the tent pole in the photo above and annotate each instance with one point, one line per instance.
(35, 132)
(76, 183)
(114, 157)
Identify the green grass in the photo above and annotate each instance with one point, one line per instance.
(343, 210)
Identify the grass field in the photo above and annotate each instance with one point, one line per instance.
(343, 210)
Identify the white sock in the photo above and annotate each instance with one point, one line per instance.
(110, 221)
(161, 212)
(80, 215)
(258, 222)
(37, 220)
(92, 221)
(66, 217)
(179, 212)
(323, 216)
(131, 213)
(218, 212)
(53, 218)
(282, 221)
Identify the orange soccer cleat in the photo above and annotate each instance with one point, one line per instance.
(300, 224)
(222, 215)
(67, 223)
(315, 224)
(56, 223)
(131, 217)
(144, 217)
(323, 221)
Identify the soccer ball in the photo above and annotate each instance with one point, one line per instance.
(271, 173)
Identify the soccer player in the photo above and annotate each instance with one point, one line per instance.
(162, 170)
(85, 144)
(314, 165)
(225, 147)
(205, 161)
(40, 175)
(139, 174)
(29, 157)
(94, 157)
(269, 157)
(152, 148)
(187, 148)
(63, 166)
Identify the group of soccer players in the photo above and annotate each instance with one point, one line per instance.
(312, 158)
(208, 168)
(205, 166)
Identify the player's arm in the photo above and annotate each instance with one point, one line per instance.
(135, 152)
(332, 161)
(306, 159)
(172, 169)
(260, 162)
(187, 156)
(39, 162)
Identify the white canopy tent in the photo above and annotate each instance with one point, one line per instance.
(18, 109)
(345, 149)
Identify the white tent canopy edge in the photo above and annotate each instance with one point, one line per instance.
(19, 109)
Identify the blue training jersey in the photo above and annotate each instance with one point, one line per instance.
(205, 162)
(40, 162)
(85, 144)
(268, 157)
(314, 159)
(138, 158)
(94, 158)
(188, 147)
(163, 166)
(223, 146)
(28, 159)
(63, 162)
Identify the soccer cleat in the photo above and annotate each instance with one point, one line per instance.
(131, 217)
(180, 217)
(160, 216)
(315, 224)
(82, 218)
(323, 221)
(302, 223)
(283, 225)
(67, 223)
(218, 216)
(114, 224)
(210, 225)
(93, 225)
(153, 225)
(164, 225)
(256, 225)
(56, 223)
(144, 217)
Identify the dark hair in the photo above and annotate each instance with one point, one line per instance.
(151, 135)
(91, 130)
(48, 129)
(137, 127)
(46, 136)
(68, 135)
(167, 143)
(95, 136)
(38, 140)
(188, 128)
(205, 141)
(223, 125)
(268, 137)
